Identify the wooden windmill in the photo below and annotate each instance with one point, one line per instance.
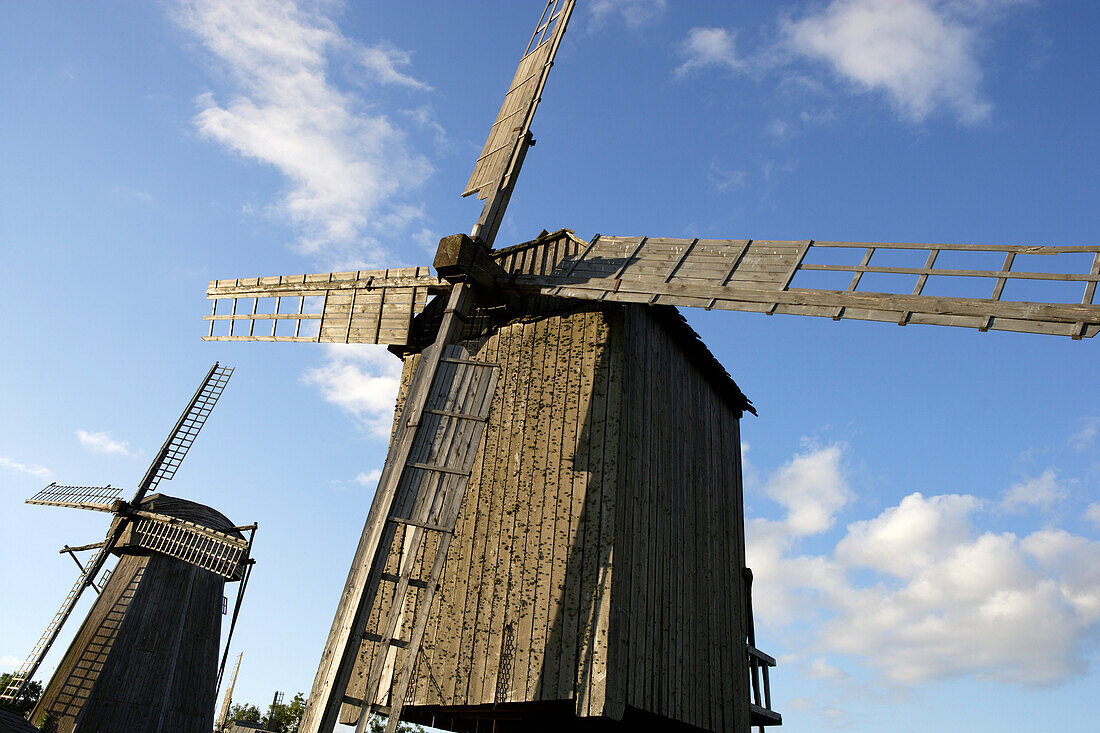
(146, 656)
(557, 537)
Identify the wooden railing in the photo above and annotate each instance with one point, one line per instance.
(760, 708)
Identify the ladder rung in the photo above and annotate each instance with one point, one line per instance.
(399, 643)
(438, 469)
(459, 415)
(422, 525)
(414, 582)
(471, 362)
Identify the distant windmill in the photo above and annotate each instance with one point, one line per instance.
(146, 656)
(557, 537)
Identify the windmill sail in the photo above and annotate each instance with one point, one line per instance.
(96, 498)
(362, 307)
(187, 428)
(494, 167)
(764, 276)
(26, 671)
(200, 546)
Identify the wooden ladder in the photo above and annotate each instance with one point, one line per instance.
(429, 494)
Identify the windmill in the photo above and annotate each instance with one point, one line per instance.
(146, 656)
(557, 537)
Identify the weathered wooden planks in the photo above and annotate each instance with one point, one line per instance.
(360, 306)
(766, 277)
(514, 119)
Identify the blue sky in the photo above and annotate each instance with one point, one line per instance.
(923, 502)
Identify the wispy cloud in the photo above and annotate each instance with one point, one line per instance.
(922, 54)
(9, 663)
(709, 47)
(634, 13)
(30, 470)
(382, 62)
(348, 167)
(103, 443)
(1042, 492)
(1084, 438)
(369, 479)
(363, 381)
(1092, 513)
(725, 179)
(919, 591)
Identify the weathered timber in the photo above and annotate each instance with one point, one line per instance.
(532, 562)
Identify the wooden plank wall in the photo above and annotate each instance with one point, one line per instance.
(677, 637)
(523, 604)
(146, 657)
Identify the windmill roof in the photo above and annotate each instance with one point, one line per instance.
(189, 511)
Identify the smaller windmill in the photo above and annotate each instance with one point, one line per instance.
(146, 656)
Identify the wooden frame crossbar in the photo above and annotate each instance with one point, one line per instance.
(362, 306)
(96, 498)
(767, 277)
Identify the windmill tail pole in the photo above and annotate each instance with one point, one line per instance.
(246, 573)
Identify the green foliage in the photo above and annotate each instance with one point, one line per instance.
(285, 717)
(26, 700)
(246, 713)
(282, 718)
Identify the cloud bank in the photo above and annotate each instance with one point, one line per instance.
(346, 167)
(918, 592)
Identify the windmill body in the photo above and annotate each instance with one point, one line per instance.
(557, 534)
(146, 656)
(594, 576)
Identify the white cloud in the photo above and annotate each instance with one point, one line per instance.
(920, 53)
(1093, 513)
(346, 168)
(919, 592)
(36, 471)
(822, 670)
(103, 443)
(361, 379)
(635, 13)
(9, 663)
(706, 47)
(1083, 439)
(382, 62)
(369, 479)
(725, 179)
(812, 488)
(1043, 492)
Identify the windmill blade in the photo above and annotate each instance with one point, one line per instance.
(96, 498)
(361, 307)
(498, 166)
(41, 647)
(187, 428)
(512, 123)
(785, 276)
(200, 546)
